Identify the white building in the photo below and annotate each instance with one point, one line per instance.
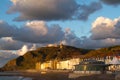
(70, 63)
(55, 64)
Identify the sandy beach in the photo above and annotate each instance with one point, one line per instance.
(57, 75)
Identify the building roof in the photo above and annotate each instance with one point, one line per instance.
(92, 62)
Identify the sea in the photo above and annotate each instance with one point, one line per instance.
(14, 78)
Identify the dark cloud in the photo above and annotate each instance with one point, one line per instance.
(33, 32)
(39, 32)
(52, 10)
(71, 39)
(86, 42)
(111, 2)
(86, 10)
(6, 30)
(117, 27)
(44, 9)
(105, 32)
(94, 44)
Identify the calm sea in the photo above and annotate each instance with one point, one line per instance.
(14, 78)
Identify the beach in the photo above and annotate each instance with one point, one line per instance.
(14, 78)
(54, 75)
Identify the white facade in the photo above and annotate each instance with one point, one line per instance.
(46, 65)
(68, 64)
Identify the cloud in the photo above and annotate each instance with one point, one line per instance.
(39, 32)
(86, 42)
(23, 50)
(117, 26)
(6, 30)
(111, 2)
(89, 43)
(52, 10)
(7, 55)
(86, 10)
(7, 43)
(71, 39)
(44, 9)
(33, 32)
(103, 28)
(104, 31)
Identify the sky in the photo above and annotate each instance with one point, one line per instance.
(89, 24)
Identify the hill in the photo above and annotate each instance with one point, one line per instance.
(109, 51)
(44, 54)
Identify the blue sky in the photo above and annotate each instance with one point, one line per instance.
(81, 28)
(72, 29)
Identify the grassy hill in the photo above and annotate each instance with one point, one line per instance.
(109, 51)
(44, 54)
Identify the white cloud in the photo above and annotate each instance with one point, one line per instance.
(37, 27)
(103, 28)
(23, 50)
(7, 43)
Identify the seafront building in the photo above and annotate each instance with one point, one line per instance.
(110, 63)
(70, 64)
(55, 64)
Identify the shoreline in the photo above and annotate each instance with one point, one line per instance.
(56, 75)
(14, 78)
